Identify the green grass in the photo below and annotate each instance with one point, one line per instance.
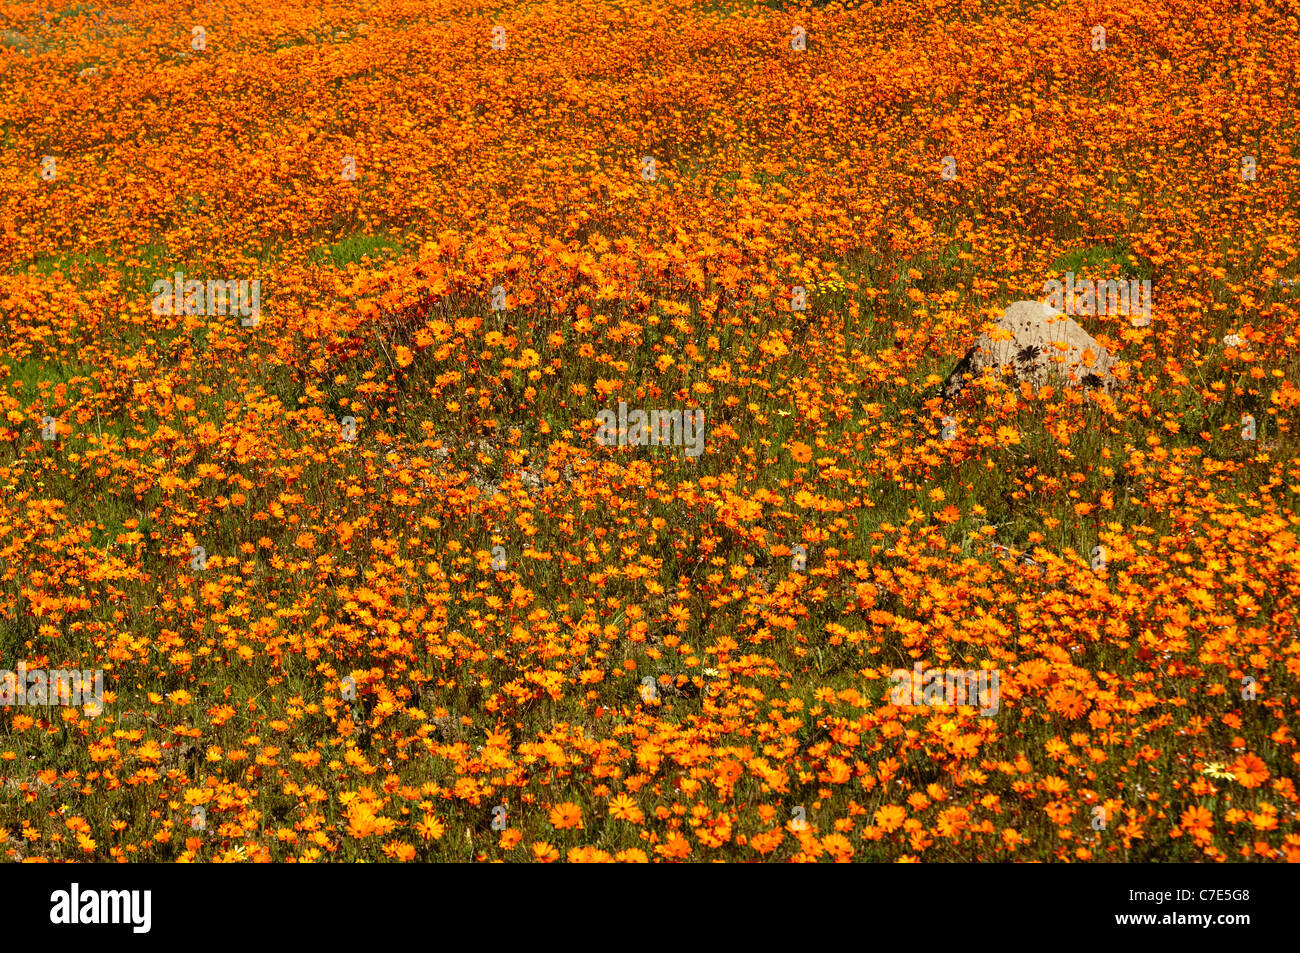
(1103, 261)
(360, 247)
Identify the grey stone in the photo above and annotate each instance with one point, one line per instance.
(1034, 342)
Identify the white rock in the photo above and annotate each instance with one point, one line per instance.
(1036, 343)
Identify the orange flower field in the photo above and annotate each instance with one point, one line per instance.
(441, 430)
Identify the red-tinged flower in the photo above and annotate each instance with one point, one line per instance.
(566, 815)
(1250, 771)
